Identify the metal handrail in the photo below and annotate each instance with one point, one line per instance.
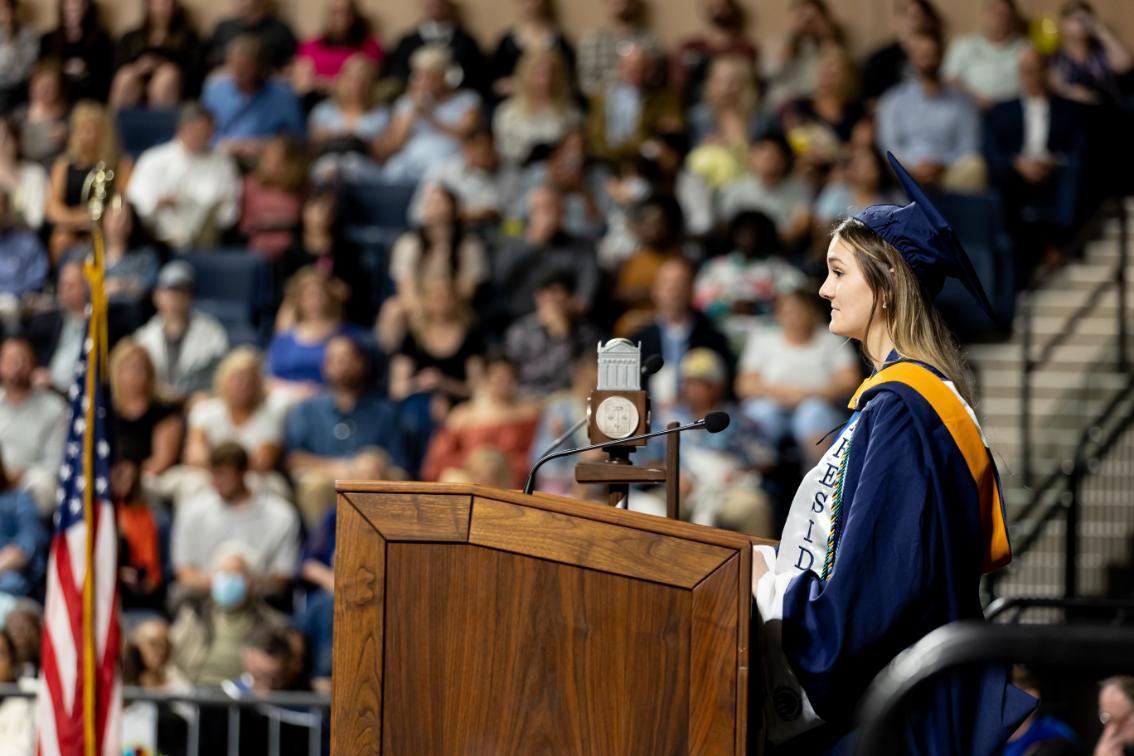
(1112, 208)
(1096, 650)
(1118, 608)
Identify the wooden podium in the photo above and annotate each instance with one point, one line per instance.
(471, 620)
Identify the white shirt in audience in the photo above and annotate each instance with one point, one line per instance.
(806, 366)
(204, 189)
(266, 524)
(211, 417)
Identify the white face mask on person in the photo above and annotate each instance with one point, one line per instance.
(229, 589)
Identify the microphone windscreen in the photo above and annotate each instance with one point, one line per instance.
(715, 422)
(652, 364)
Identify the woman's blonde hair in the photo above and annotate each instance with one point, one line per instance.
(560, 84)
(238, 359)
(122, 351)
(916, 327)
(370, 96)
(89, 110)
(298, 282)
(745, 103)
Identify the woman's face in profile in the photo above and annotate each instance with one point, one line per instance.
(851, 298)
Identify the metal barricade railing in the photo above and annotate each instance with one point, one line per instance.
(1099, 651)
(302, 710)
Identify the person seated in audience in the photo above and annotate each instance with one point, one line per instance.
(1091, 61)
(862, 180)
(23, 264)
(496, 417)
(82, 46)
(1040, 733)
(19, 48)
(663, 160)
(350, 118)
(209, 630)
(657, 225)
(545, 250)
(184, 343)
(567, 168)
(131, 269)
(344, 432)
(33, 425)
(724, 37)
(185, 191)
(321, 244)
(429, 120)
(255, 19)
(92, 141)
(347, 33)
(23, 624)
(147, 663)
(885, 67)
(795, 377)
(239, 412)
(316, 619)
(600, 48)
(712, 465)
(984, 65)
(41, 125)
(541, 108)
(141, 563)
(271, 198)
(440, 27)
(676, 329)
(442, 353)
(141, 420)
(1116, 714)
(1036, 146)
(632, 108)
(440, 247)
(770, 187)
(726, 115)
(534, 34)
(481, 185)
(23, 539)
(794, 71)
(58, 333)
(933, 128)
(546, 343)
(310, 317)
(826, 117)
(157, 61)
(24, 181)
(248, 106)
(17, 713)
(742, 285)
(264, 524)
(560, 412)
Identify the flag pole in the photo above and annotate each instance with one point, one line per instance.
(96, 189)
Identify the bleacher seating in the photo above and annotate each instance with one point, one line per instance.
(978, 221)
(236, 288)
(141, 128)
(374, 213)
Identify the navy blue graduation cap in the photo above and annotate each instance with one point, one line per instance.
(925, 240)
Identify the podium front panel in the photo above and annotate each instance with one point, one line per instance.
(473, 621)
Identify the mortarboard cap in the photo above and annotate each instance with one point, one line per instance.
(925, 240)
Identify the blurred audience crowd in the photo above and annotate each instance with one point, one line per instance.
(439, 234)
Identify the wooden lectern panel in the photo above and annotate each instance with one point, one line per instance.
(476, 621)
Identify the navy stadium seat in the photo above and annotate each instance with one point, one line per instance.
(977, 219)
(235, 286)
(375, 212)
(140, 129)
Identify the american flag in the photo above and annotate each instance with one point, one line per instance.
(80, 701)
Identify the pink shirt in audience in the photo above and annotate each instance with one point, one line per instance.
(269, 217)
(328, 59)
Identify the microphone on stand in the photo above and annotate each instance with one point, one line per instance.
(714, 422)
(650, 365)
